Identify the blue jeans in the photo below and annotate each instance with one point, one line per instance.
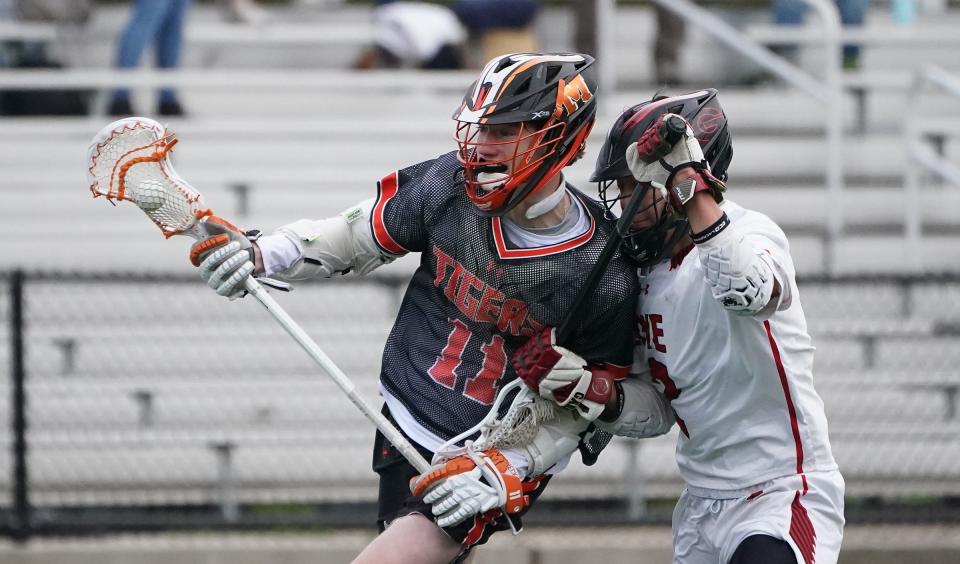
(159, 22)
(790, 12)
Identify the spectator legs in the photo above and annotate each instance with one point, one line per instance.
(666, 51)
(158, 22)
(169, 40)
(147, 17)
(791, 12)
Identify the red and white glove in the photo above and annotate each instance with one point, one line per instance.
(654, 159)
(470, 485)
(562, 376)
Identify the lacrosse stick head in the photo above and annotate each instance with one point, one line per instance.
(516, 428)
(129, 160)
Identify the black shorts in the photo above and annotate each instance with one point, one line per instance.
(395, 499)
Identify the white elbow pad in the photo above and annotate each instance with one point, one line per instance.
(340, 244)
(555, 440)
(740, 276)
(646, 412)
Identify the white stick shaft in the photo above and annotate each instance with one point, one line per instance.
(337, 375)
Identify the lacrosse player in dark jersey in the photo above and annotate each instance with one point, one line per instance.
(504, 246)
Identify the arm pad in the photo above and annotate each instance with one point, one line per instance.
(555, 441)
(741, 276)
(339, 244)
(645, 413)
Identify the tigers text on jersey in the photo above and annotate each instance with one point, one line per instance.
(475, 298)
(741, 386)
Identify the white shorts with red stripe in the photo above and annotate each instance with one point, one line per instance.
(805, 510)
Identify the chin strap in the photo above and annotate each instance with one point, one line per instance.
(548, 203)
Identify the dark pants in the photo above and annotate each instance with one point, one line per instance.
(157, 22)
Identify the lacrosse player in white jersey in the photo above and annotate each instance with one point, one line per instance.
(722, 332)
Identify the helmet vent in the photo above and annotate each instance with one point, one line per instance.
(504, 63)
(523, 87)
(552, 72)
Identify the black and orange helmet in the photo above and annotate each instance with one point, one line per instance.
(552, 97)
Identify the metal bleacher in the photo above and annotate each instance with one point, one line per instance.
(154, 391)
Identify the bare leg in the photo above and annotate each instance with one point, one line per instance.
(413, 539)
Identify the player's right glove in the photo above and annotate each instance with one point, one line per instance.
(664, 149)
(470, 485)
(561, 375)
(226, 257)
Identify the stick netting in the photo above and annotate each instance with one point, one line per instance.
(516, 428)
(130, 160)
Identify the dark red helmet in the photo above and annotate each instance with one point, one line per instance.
(550, 97)
(702, 110)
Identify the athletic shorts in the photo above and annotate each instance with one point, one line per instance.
(395, 499)
(805, 510)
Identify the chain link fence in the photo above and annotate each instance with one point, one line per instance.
(153, 404)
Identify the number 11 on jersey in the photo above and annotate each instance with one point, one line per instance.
(481, 387)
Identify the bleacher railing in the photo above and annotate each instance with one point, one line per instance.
(829, 91)
(924, 158)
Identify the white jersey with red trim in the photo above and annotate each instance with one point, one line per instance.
(741, 386)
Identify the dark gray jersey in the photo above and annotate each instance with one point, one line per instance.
(474, 299)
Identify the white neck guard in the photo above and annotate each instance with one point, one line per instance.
(548, 203)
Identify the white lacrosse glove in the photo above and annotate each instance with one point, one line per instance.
(665, 148)
(643, 411)
(226, 258)
(561, 375)
(471, 485)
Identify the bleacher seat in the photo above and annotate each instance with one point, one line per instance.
(918, 353)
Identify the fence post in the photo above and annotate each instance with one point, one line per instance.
(636, 488)
(229, 507)
(241, 191)
(20, 519)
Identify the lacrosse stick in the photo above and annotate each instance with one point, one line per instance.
(129, 160)
(516, 429)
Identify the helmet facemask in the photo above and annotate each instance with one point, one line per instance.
(657, 227)
(548, 99)
(653, 240)
(501, 165)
